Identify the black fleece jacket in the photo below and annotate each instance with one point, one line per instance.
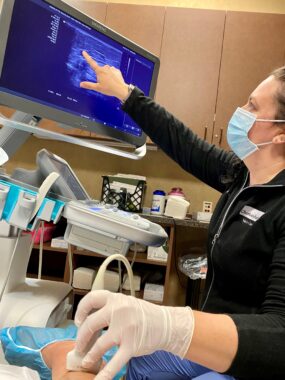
(246, 242)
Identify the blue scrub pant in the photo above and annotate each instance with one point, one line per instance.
(162, 365)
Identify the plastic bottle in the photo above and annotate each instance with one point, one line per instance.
(158, 202)
(176, 205)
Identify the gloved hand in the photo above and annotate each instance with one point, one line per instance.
(136, 326)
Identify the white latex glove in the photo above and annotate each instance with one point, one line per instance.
(138, 327)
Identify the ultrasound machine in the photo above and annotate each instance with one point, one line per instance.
(41, 67)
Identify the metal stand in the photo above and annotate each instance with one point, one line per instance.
(12, 139)
(27, 125)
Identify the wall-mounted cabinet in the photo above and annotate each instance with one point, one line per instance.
(190, 62)
(91, 8)
(253, 46)
(141, 24)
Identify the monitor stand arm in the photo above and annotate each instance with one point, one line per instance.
(12, 139)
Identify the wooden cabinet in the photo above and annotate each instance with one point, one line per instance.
(190, 62)
(141, 24)
(212, 60)
(253, 46)
(56, 266)
(141, 265)
(96, 10)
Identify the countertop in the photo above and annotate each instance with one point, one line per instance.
(169, 221)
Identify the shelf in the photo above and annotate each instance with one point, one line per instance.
(140, 295)
(140, 257)
(47, 247)
(83, 292)
(80, 292)
(44, 277)
(174, 293)
(168, 221)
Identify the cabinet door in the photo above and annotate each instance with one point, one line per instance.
(253, 46)
(141, 24)
(98, 12)
(190, 61)
(91, 8)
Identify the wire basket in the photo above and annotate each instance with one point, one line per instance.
(123, 199)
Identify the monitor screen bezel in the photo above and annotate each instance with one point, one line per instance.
(62, 117)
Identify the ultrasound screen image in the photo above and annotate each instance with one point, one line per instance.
(43, 63)
(102, 53)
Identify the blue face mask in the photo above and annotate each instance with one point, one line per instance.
(237, 133)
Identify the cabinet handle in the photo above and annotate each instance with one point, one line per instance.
(221, 135)
(205, 132)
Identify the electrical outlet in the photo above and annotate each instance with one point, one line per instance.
(207, 206)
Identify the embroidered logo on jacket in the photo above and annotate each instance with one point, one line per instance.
(251, 214)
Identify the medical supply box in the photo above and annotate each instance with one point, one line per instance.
(153, 292)
(83, 278)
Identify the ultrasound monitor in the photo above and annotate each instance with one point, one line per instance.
(41, 67)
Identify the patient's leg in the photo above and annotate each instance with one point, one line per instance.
(43, 349)
(54, 356)
(23, 346)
